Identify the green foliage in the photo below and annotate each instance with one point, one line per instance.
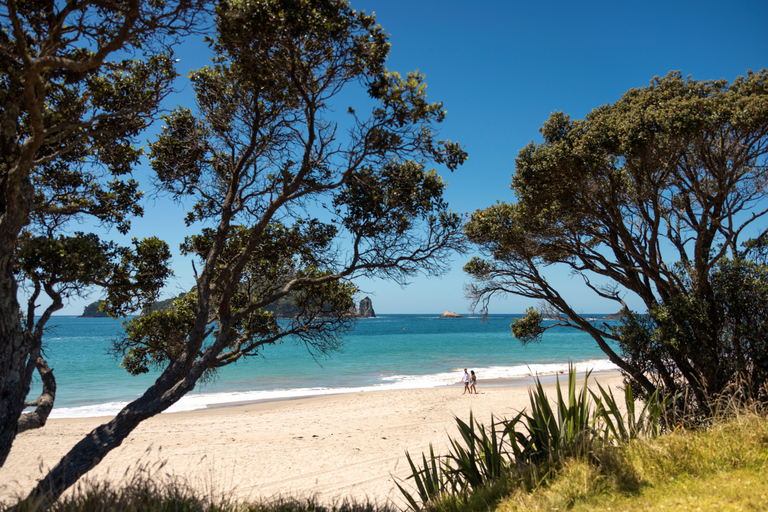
(528, 328)
(159, 336)
(132, 277)
(430, 479)
(647, 424)
(480, 458)
(69, 124)
(261, 145)
(731, 321)
(566, 430)
(571, 428)
(647, 197)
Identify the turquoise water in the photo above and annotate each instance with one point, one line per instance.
(388, 352)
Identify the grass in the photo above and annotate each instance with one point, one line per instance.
(580, 452)
(146, 489)
(721, 468)
(147, 496)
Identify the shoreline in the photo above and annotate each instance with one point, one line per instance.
(489, 383)
(200, 399)
(329, 447)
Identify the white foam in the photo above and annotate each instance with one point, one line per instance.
(197, 401)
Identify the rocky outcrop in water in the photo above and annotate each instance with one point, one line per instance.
(92, 311)
(451, 314)
(365, 309)
(283, 308)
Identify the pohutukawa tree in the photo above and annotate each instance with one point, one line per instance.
(293, 192)
(80, 80)
(651, 196)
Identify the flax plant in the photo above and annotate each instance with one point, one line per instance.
(568, 429)
(625, 428)
(574, 425)
(431, 479)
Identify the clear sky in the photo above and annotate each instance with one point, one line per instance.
(501, 68)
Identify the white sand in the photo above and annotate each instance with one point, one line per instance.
(331, 447)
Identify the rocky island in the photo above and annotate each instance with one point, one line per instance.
(281, 309)
(92, 311)
(365, 309)
(451, 314)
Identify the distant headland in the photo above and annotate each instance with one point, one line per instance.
(92, 311)
(283, 308)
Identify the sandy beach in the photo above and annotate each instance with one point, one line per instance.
(331, 447)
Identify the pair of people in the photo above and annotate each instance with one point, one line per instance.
(469, 382)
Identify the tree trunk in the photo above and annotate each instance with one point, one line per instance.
(86, 454)
(44, 404)
(15, 364)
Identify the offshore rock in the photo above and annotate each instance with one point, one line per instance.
(283, 308)
(451, 314)
(365, 309)
(92, 311)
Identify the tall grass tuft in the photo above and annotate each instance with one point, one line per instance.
(144, 495)
(430, 480)
(478, 457)
(566, 430)
(625, 428)
(577, 424)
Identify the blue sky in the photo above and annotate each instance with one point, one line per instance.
(501, 68)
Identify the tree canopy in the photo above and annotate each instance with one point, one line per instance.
(291, 192)
(651, 196)
(80, 81)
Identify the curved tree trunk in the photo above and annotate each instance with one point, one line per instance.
(174, 383)
(44, 404)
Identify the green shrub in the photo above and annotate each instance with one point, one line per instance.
(529, 448)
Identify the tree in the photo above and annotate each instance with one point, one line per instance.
(646, 196)
(80, 80)
(285, 205)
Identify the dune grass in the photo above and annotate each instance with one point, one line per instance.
(143, 495)
(722, 467)
(582, 453)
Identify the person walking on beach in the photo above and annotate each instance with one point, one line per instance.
(466, 382)
(473, 381)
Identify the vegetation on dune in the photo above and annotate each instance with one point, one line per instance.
(580, 452)
(577, 424)
(654, 197)
(720, 467)
(147, 495)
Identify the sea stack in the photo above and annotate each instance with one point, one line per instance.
(365, 309)
(451, 314)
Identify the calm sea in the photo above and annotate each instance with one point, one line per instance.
(387, 352)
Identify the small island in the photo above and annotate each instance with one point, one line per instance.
(365, 309)
(451, 314)
(281, 309)
(92, 311)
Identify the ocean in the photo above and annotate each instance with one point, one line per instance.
(386, 352)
